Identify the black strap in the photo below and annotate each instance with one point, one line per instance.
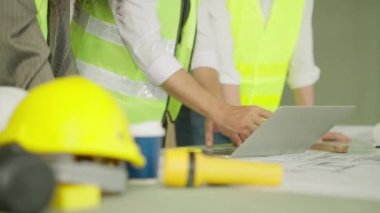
(185, 11)
(190, 178)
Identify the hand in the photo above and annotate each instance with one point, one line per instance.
(239, 122)
(336, 136)
(210, 129)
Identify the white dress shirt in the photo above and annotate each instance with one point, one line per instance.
(205, 54)
(219, 18)
(139, 27)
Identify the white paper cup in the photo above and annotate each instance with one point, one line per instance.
(148, 137)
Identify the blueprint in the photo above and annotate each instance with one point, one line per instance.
(352, 175)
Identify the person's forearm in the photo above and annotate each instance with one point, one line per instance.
(208, 79)
(231, 94)
(182, 86)
(304, 96)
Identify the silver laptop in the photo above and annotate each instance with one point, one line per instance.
(291, 129)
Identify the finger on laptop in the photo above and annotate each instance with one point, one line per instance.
(235, 138)
(209, 132)
(258, 121)
(336, 136)
(263, 112)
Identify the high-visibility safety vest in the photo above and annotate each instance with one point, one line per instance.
(42, 13)
(103, 57)
(263, 50)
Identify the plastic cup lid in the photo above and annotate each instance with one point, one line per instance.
(147, 129)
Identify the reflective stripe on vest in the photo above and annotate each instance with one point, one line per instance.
(42, 13)
(263, 50)
(120, 84)
(102, 57)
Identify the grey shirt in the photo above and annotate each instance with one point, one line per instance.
(26, 59)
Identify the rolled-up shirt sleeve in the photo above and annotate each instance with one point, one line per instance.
(205, 54)
(302, 70)
(220, 22)
(139, 28)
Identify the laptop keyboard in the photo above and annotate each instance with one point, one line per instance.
(224, 152)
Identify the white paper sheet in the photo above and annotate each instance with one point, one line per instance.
(353, 175)
(344, 175)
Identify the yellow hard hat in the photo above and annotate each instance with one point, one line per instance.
(75, 116)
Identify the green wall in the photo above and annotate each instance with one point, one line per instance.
(347, 49)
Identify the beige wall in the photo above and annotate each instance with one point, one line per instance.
(347, 49)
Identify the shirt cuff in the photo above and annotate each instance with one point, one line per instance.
(205, 58)
(229, 78)
(304, 79)
(162, 68)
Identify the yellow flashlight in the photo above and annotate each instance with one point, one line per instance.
(184, 168)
